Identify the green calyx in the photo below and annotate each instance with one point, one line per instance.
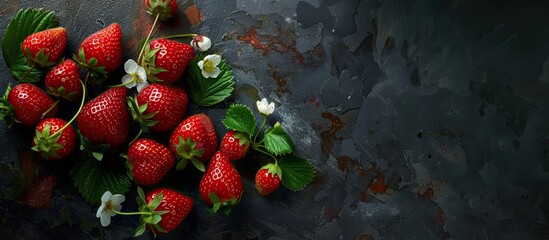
(6, 109)
(46, 146)
(160, 9)
(186, 151)
(273, 169)
(220, 205)
(62, 93)
(41, 59)
(97, 72)
(139, 116)
(97, 151)
(149, 217)
(149, 63)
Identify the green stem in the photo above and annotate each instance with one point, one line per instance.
(181, 35)
(260, 128)
(4, 107)
(75, 115)
(137, 136)
(256, 147)
(147, 39)
(130, 213)
(124, 84)
(50, 109)
(27, 73)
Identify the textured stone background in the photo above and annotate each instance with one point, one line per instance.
(424, 119)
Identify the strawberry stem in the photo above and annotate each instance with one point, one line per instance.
(147, 39)
(260, 128)
(257, 148)
(181, 35)
(27, 73)
(50, 109)
(136, 137)
(75, 115)
(131, 213)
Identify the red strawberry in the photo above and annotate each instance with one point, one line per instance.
(176, 206)
(26, 103)
(235, 145)
(105, 46)
(267, 179)
(64, 81)
(105, 119)
(194, 139)
(170, 56)
(54, 147)
(166, 8)
(166, 106)
(44, 48)
(221, 185)
(149, 161)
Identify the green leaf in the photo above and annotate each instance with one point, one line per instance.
(140, 230)
(209, 91)
(297, 172)
(240, 118)
(92, 178)
(277, 141)
(21, 68)
(198, 164)
(26, 22)
(155, 202)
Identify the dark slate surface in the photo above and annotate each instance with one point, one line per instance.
(425, 119)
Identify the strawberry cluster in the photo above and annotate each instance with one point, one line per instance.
(103, 123)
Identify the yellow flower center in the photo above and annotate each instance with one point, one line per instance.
(209, 66)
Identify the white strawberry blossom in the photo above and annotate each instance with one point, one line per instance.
(265, 107)
(136, 75)
(201, 43)
(109, 202)
(209, 66)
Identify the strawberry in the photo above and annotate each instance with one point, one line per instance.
(26, 103)
(149, 161)
(101, 52)
(235, 145)
(221, 185)
(44, 48)
(105, 119)
(166, 60)
(64, 81)
(194, 139)
(267, 179)
(165, 9)
(170, 205)
(161, 106)
(54, 146)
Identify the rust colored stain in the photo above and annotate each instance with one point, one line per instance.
(314, 101)
(365, 237)
(372, 175)
(285, 42)
(329, 136)
(280, 81)
(194, 14)
(428, 194)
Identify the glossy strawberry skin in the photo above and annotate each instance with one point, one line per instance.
(178, 205)
(53, 41)
(266, 182)
(67, 138)
(231, 145)
(65, 75)
(104, 45)
(168, 102)
(199, 128)
(222, 179)
(150, 161)
(105, 119)
(172, 56)
(29, 103)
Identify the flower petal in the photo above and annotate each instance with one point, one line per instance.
(141, 85)
(205, 44)
(215, 72)
(141, 73)
(100, 211)
(117, 199)
(215, 58)
(130, 66)
(105, 219)
(201, 65)
(270, 108)
(128, 79)
(205, 73)
(106, 196)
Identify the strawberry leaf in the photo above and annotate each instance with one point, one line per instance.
(92, 178)
(277, 141)
(240, 118)
(209, 91)
(26, 22)
(297, 172)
